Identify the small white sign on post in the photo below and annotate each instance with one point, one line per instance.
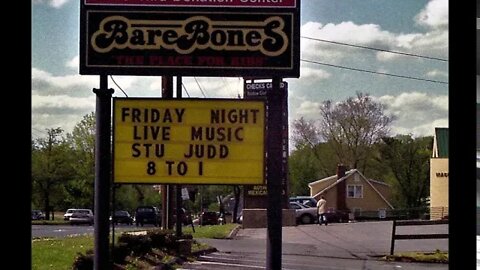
(185, 195)
(382, 213)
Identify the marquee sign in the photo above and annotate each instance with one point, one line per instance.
(203, 38)
(188, 141)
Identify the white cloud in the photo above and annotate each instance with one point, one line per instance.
(345, 32)
(63, 102)
(52, 3)
(59, 111)
(308, 109)
(386, 56)
(312, 75)
(416, 113)
(73, 63)
(437, 74)
(66, 83)
(432, 43)
(434, 15)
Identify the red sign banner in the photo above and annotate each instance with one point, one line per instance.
(199, 3)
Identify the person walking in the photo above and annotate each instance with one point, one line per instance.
(321, 205)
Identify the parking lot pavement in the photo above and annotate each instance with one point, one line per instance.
(351, 240)
(478, 252)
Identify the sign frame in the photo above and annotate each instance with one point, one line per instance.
(162, 179)
(237, 55)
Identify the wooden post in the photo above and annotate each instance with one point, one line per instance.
(392, 244)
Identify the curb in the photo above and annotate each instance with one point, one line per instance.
(234, 232)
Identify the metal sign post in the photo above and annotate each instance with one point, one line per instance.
(274, 174)
(178, 188)
(102, 174)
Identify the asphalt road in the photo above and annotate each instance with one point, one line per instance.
(68, 230)
(333, 247)
(336, 246)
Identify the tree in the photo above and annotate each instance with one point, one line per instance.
(305, 134)
(352, 127)
(51, 168)
(312, 159)
(408, 158)
(82, 142)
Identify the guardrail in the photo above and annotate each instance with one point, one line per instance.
(415, 236)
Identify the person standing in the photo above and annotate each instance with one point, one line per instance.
(321, 205)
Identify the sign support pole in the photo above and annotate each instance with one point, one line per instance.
(167, 207)
(178, 188)
(102, 174)
(274, 177)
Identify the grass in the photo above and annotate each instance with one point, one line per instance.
(215, 231)
(426, 257)
(50, 222)
(57, 221)
(59, 253)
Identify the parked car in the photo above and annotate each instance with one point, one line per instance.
(185, 216)
(122, 217)
(336, 216)
(68, 214)
(304, 214)
(305, 200)
(38, 215)
(208, 218)
(147, 215)
(240, 217)
(81, 216)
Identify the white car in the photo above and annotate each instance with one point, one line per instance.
(81, 216)
(68, 214)
(303, 213)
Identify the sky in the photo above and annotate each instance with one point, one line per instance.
(416, 95)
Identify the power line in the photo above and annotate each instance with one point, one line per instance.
(200, 87)
(184, 88)
(111, 77)
(376, 49)
(373, 72)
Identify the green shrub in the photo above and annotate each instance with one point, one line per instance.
(120, 252)
(83, 262)
(138, 244)
(161, 239)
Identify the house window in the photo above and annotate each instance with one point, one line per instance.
(354, 191)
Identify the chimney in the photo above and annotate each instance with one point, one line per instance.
(341, 188)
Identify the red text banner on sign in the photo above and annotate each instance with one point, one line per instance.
(199, 3)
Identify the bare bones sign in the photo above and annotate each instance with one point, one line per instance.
(189, 42)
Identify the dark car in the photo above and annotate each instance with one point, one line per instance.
(185, 216)
(38, 215)
(336, 216)
(147, 215)
(208, 218)
(122, 217)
